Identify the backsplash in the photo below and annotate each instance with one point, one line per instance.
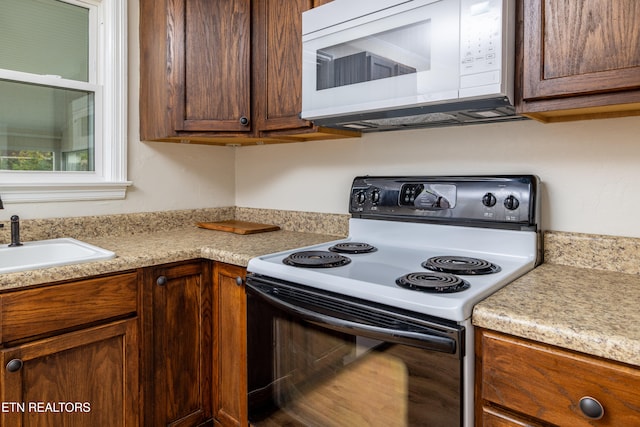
(139, 223)
(112, 225)
(306, 222)
(601, 252)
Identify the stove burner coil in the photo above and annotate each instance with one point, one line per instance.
(316, 259)
(460, 265)
(433, 282)
(353, 248)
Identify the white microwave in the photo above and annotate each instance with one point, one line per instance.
(391, 64)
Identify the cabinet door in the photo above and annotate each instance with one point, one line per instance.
(216, 80)
(230, 346)
(195, 67)
(586, 47)
(177, 350)
(278, 71)
(84, 378)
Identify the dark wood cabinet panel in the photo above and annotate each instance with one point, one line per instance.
(93, 300)
(579, 59)
(194, 67)
(177, 344)
(230, 352)
(545, 384)
(216, 64)
(492, 417)
(87, 377)
(278, 47)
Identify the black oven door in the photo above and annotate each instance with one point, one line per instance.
(321, 359)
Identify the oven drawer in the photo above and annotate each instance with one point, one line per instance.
(548, 383)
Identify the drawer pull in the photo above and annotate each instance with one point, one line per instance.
(14, 365)
(591, 408)
(161, 280)
(239, 281)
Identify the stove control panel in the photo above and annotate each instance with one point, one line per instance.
(495, 201)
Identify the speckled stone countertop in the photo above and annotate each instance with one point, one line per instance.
(142, 240)
(585, 297)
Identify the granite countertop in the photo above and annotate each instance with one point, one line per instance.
(143, 250)
(576, 307)
(164, 244)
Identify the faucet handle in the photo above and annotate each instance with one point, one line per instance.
(15, 231)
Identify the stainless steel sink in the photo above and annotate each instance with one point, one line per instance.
(49, 253)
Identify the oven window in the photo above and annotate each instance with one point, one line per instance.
(392, 53)
(302, 374)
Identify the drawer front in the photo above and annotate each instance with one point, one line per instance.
(37, 312)
(492, 417)
(547, 383)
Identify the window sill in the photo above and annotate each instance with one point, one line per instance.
(63, 192)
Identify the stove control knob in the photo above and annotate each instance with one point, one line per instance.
(489, 200)
(375, 196)
(511, 203)
(361, 197)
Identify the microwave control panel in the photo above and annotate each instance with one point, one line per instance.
(480, 36)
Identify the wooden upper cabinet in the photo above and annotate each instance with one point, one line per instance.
(224, 72)
(579, 59)
(194, 67)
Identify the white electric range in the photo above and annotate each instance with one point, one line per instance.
(426, 248)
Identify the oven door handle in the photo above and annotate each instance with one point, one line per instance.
(423, 340)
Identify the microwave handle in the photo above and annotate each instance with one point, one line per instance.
(423, 340)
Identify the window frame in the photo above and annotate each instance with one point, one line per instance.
(108, 82)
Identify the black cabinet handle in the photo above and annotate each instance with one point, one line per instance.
(244, 121)
(239, 281)
(591, 408)
(14, 365)
(161, 280)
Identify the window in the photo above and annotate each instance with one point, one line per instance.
(62, 100)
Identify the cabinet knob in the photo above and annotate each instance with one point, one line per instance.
(161, 280)
(591, 408)
(244, 121)
(14, 365)
(239, 281)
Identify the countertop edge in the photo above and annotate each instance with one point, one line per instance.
(551, 305)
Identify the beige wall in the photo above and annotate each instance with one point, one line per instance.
(590, 169)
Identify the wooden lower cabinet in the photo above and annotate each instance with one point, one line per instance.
(230, 348)
(525, 383)
(177, 344)
(162, 346)
(83, 378)
(69, 354)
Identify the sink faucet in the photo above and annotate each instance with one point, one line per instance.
(15, 231)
